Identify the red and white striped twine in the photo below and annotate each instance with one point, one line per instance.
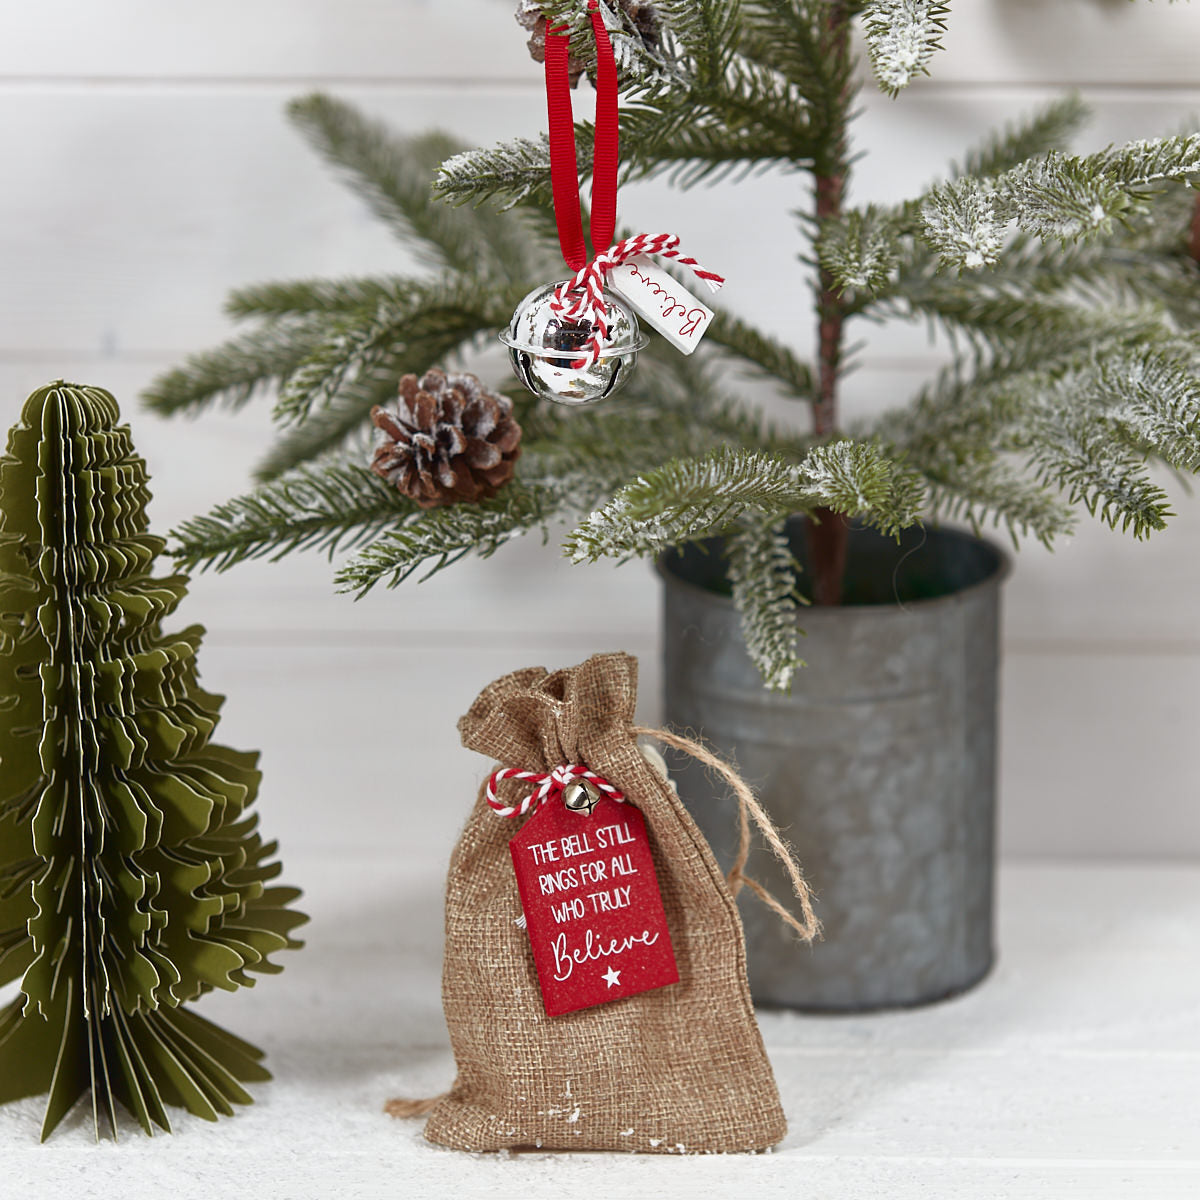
(582, 298)
(548, 787)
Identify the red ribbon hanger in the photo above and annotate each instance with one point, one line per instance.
(581, 298)
(564, 165)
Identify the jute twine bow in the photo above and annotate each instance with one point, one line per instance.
(581, 298)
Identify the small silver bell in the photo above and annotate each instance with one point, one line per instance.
(542, 345)
(581, 797)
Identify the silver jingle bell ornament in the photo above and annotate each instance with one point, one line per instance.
(543, 345)
(581, 797)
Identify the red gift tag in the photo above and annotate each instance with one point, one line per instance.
(592, 906)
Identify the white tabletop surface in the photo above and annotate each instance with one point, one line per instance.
(1073, 1071)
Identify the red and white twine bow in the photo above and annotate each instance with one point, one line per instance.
(548, 787)
(582, 298)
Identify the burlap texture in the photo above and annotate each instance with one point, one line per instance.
(681, 1069)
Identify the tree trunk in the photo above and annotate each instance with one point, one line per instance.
(826, 532)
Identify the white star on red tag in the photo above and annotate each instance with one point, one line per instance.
(611, 977)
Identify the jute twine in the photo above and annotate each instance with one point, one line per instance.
(681, 1069)
(808, 926)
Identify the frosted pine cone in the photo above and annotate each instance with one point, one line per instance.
(529, 16)
(451, 439)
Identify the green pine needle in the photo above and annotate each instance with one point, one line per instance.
(231, 374)
(393, 174)
(689, 499)
(358, 345)
(1056, 196)
(1050, 127)
(324, 508)
(444, 535)
(1096, 469)
(902, 36)
(861, 251)
(762, 572)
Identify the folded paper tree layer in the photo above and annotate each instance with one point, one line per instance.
(132, 876)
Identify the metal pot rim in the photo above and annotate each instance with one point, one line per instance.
(1004, 567)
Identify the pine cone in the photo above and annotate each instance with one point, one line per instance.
(451, 439)
(529, 16)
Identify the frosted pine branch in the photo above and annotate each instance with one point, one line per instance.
(1100, 471)
(438, 537)
(680, 501)
(1159, 404)
(685, 500)
(447, 313)
(611, 531)
(1062, 198)
(641, 62)
(1148, 161)
(311, 508)
(517, 172)
(902, 36)
(861, 251)
(695, 498)
(858, 479)
(232, 373)
(762, 573)
(1057, 196)
(962, 223)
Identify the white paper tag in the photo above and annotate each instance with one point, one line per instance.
(662, 302)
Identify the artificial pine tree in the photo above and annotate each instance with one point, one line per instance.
(131, 876)
(1066, 285)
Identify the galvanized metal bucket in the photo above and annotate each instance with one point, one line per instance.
(880, 766)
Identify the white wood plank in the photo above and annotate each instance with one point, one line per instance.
(265, 39)
(1084, 42)
(1096, 752)
(176, 197)
(359, 743)
(1098, 756)
(1097, 592)
(1096, 42)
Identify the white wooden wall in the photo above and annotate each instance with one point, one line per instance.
(147, 169)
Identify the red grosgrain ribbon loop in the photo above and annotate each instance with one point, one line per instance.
(582, 298)
(549, 787)
(564, 167)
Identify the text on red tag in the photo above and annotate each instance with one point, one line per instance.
(592, 906)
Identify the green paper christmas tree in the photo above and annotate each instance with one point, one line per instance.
(132, 878)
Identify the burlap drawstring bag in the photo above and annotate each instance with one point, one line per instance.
(680, 1069)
